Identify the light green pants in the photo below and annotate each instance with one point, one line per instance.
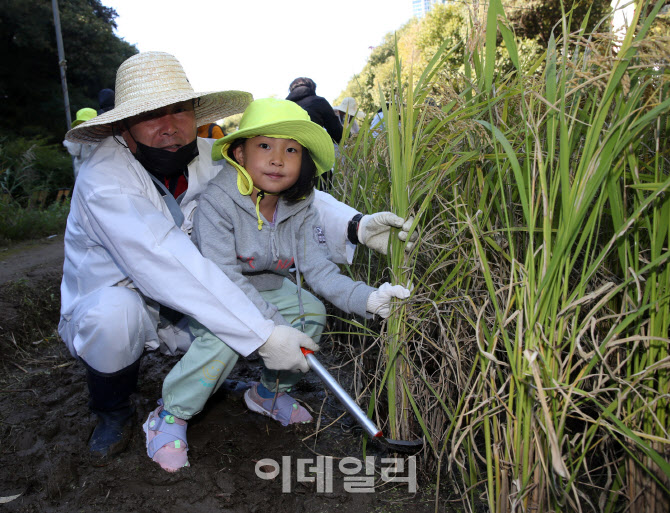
(208, 362)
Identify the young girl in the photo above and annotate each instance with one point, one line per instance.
(255, 220)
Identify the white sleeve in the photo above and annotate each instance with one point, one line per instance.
(166, 266)
(335, 217)
(73, 149)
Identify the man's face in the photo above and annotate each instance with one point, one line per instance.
(168, 128)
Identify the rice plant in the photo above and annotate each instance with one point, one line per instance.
(533, 353)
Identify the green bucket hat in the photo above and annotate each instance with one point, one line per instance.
(281, 119)
(84, 115)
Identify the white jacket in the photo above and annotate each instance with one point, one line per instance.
(120, 232)
(79, 152)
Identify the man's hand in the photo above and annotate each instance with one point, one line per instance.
(281, 351)
(374, 231)
(379, 302)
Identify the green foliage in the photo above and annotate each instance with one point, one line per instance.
(23, 223)
(445, 29)
(538, 18)
(32, 119)
(377, 72)
(444, 23)
(231, 123)
(661, 29)
(30, 85)
(27, 166)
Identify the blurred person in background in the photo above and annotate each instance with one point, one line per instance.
(105, 100)
(80, 151)
(303, 92)
(347, 112)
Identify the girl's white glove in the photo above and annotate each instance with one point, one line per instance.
(282, 351)
(379, 302)
(374, 230)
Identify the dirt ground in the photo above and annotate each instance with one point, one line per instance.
(45, 425)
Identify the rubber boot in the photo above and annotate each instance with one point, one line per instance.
(110, 401)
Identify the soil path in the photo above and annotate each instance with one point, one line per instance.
(45, 424)
(31, 259)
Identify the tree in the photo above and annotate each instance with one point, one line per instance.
(30, 85)
(445, 22)
(364, 87)
(535, 19)
(419, 40)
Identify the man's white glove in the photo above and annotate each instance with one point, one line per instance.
(281, 351)
(379, 302)
(374, 230)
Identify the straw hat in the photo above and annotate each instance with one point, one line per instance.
(84, 115)
(281, 119)
(149, 81)
(350, 106)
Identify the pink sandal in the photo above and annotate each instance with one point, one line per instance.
(166, 439)
(286, 409)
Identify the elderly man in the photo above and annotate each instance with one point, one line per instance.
(131, 272)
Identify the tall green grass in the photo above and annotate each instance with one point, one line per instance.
(18, 223)
(32, 169)
(533, 353)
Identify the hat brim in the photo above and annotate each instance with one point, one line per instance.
(358, 113)
(211, 107)
(307, 133)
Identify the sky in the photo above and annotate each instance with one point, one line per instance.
(260, 46)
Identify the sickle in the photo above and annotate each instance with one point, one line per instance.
(350, 405)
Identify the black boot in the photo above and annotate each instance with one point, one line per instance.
(110, 401)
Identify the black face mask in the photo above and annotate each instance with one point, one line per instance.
(164, 163)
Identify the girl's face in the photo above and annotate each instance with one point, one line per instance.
(273, 164)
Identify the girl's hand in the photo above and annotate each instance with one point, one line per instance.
(379, 302)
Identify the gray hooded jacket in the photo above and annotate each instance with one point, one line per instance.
(226, 232)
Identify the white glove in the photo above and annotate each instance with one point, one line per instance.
(379, 302)
(281, 351)
(374, 231)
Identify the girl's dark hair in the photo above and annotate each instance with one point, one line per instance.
(306, 180)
